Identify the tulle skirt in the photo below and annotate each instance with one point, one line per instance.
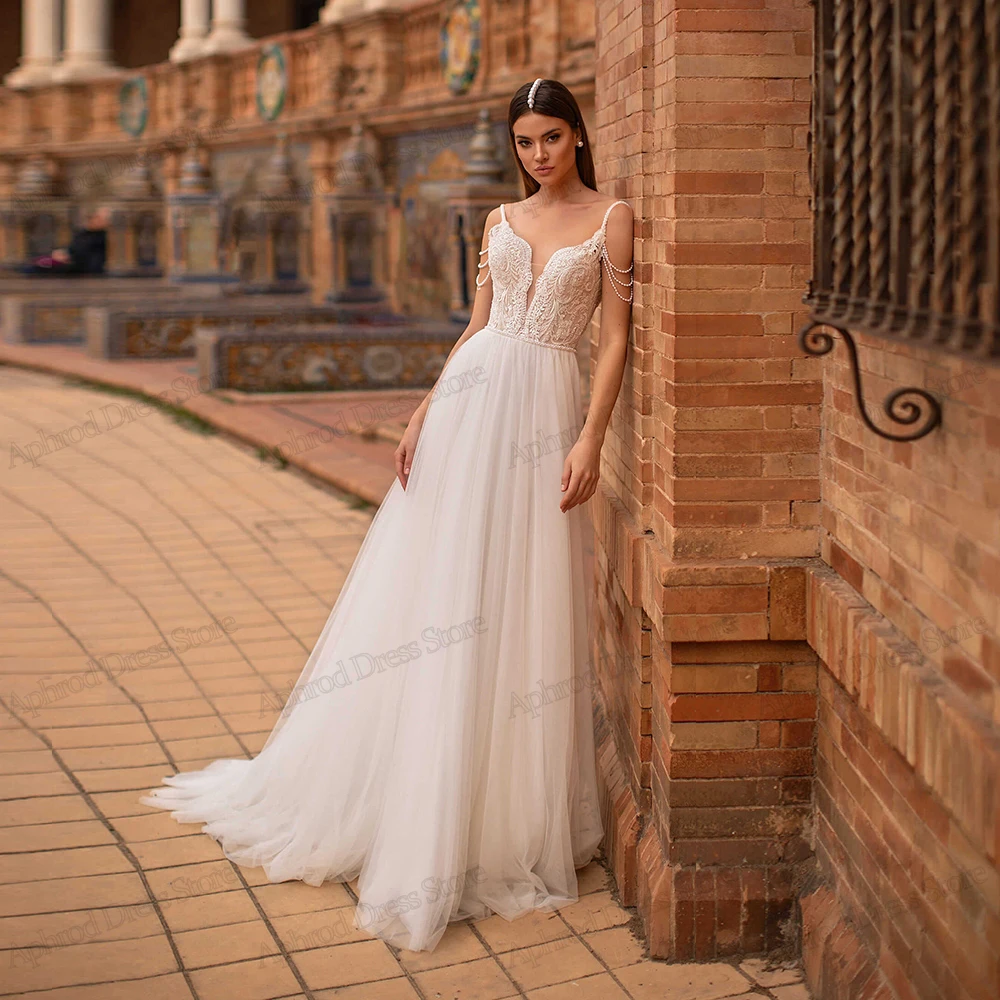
(438, 744)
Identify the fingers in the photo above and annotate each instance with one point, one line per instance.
(569, 497)
(402, 460)
(581, 489)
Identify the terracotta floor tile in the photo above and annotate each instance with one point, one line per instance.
(159, 825)
(319, 929)
(596, 911)
(479, 980)
(127, 734)
(104, 923)
(796, 992)
(182, 729)
(616, 947)
(19, 739)
(282, 899)
(600, 987)
(347, 964)
(688, 981)
(388, 989)
(28, 762)
(51, 836)
(191, 913)
(22, 786)
(593, 878)
(169, 987)
(457, 944)
(93, 962)
(118, 779)
(531, 928)
(263, 978)
(173, 851)
(96, 757)
(225, 944)
(57, 895)
(65, 863)
(550, 963)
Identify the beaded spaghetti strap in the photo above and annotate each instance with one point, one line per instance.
(611, 267)
(486, 263)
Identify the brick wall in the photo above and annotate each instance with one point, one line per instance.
(908, 817)
(710, 496)
(795, 624)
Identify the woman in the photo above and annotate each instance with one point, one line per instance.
(439, 742)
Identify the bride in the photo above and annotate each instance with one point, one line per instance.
(439, 742)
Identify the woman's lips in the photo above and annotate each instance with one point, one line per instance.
(542, 170)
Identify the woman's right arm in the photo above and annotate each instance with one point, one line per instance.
(479, 318)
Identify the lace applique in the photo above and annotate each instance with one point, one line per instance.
(566, 292)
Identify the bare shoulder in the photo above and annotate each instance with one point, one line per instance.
(622, 212)
(619, 229)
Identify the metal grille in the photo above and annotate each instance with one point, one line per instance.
(906, 171)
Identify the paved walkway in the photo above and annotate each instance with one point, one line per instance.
(161, 590)
(344, 438)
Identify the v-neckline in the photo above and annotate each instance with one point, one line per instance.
(531, 257)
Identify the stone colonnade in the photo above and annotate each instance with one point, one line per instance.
(67, 40)
(208, 27)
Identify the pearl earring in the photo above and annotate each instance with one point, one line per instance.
(580, 142)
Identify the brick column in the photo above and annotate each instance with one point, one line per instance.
(709, 504)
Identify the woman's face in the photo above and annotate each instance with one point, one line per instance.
(546, 146)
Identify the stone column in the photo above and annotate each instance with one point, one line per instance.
(41, 21)
(194, 30)
(88, 41)
(228, 27)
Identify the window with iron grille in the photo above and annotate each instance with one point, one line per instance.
(906, 171)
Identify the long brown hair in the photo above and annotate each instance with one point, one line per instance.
(555, 100)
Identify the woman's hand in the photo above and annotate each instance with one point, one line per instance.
(407, 446)
(581, 472)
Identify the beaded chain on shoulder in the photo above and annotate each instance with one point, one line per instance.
(621, 270)
(482, 264)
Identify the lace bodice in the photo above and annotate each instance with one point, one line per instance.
(566, 293)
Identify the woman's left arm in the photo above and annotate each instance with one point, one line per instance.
(582, 470)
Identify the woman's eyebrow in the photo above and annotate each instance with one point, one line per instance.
(548, 132)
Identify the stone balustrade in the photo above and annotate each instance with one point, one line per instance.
(385, 62)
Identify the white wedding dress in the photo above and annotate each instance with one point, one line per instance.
(439, 741)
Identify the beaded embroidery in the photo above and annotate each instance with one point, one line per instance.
(566, 293)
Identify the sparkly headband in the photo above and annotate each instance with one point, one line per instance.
(531, 93)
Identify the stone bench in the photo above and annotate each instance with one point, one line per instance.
(351, 356)
(161, 331)
(57, 314)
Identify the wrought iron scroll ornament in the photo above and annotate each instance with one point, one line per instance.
(905, 163)
(900, 410)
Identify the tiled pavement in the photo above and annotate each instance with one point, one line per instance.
(127, 548)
